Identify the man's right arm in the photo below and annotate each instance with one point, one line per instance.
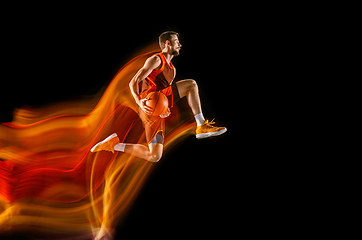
(150, 64)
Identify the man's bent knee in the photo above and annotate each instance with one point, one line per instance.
(156, 150)
(192, 84)
(155, 158)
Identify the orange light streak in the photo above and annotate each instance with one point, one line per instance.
(51, 185)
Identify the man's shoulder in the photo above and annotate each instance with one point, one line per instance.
(154, 61)
(155, 58)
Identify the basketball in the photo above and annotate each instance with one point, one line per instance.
(158, 101)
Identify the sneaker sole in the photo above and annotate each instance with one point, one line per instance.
(105, 140)
(210, 134)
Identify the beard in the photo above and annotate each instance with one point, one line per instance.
(175, 53)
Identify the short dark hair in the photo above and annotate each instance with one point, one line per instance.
(164, 37)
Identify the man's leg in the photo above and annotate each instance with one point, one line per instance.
(152, 153)
(188, 88)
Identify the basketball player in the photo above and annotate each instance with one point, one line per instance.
(157, 74)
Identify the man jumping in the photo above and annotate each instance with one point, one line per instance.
(157, 74)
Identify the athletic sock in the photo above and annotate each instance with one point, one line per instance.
(120, 147)
(199, 119)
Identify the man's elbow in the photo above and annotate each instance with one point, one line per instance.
(132, 84)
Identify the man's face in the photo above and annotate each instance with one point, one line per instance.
(175, 46)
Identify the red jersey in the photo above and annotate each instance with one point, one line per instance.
(160, 80)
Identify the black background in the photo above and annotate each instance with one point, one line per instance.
(202, 188)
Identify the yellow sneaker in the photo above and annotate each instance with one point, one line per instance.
(107, 144)
(206, 130)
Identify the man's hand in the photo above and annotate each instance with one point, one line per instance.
(148, 110)
(166, 114)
